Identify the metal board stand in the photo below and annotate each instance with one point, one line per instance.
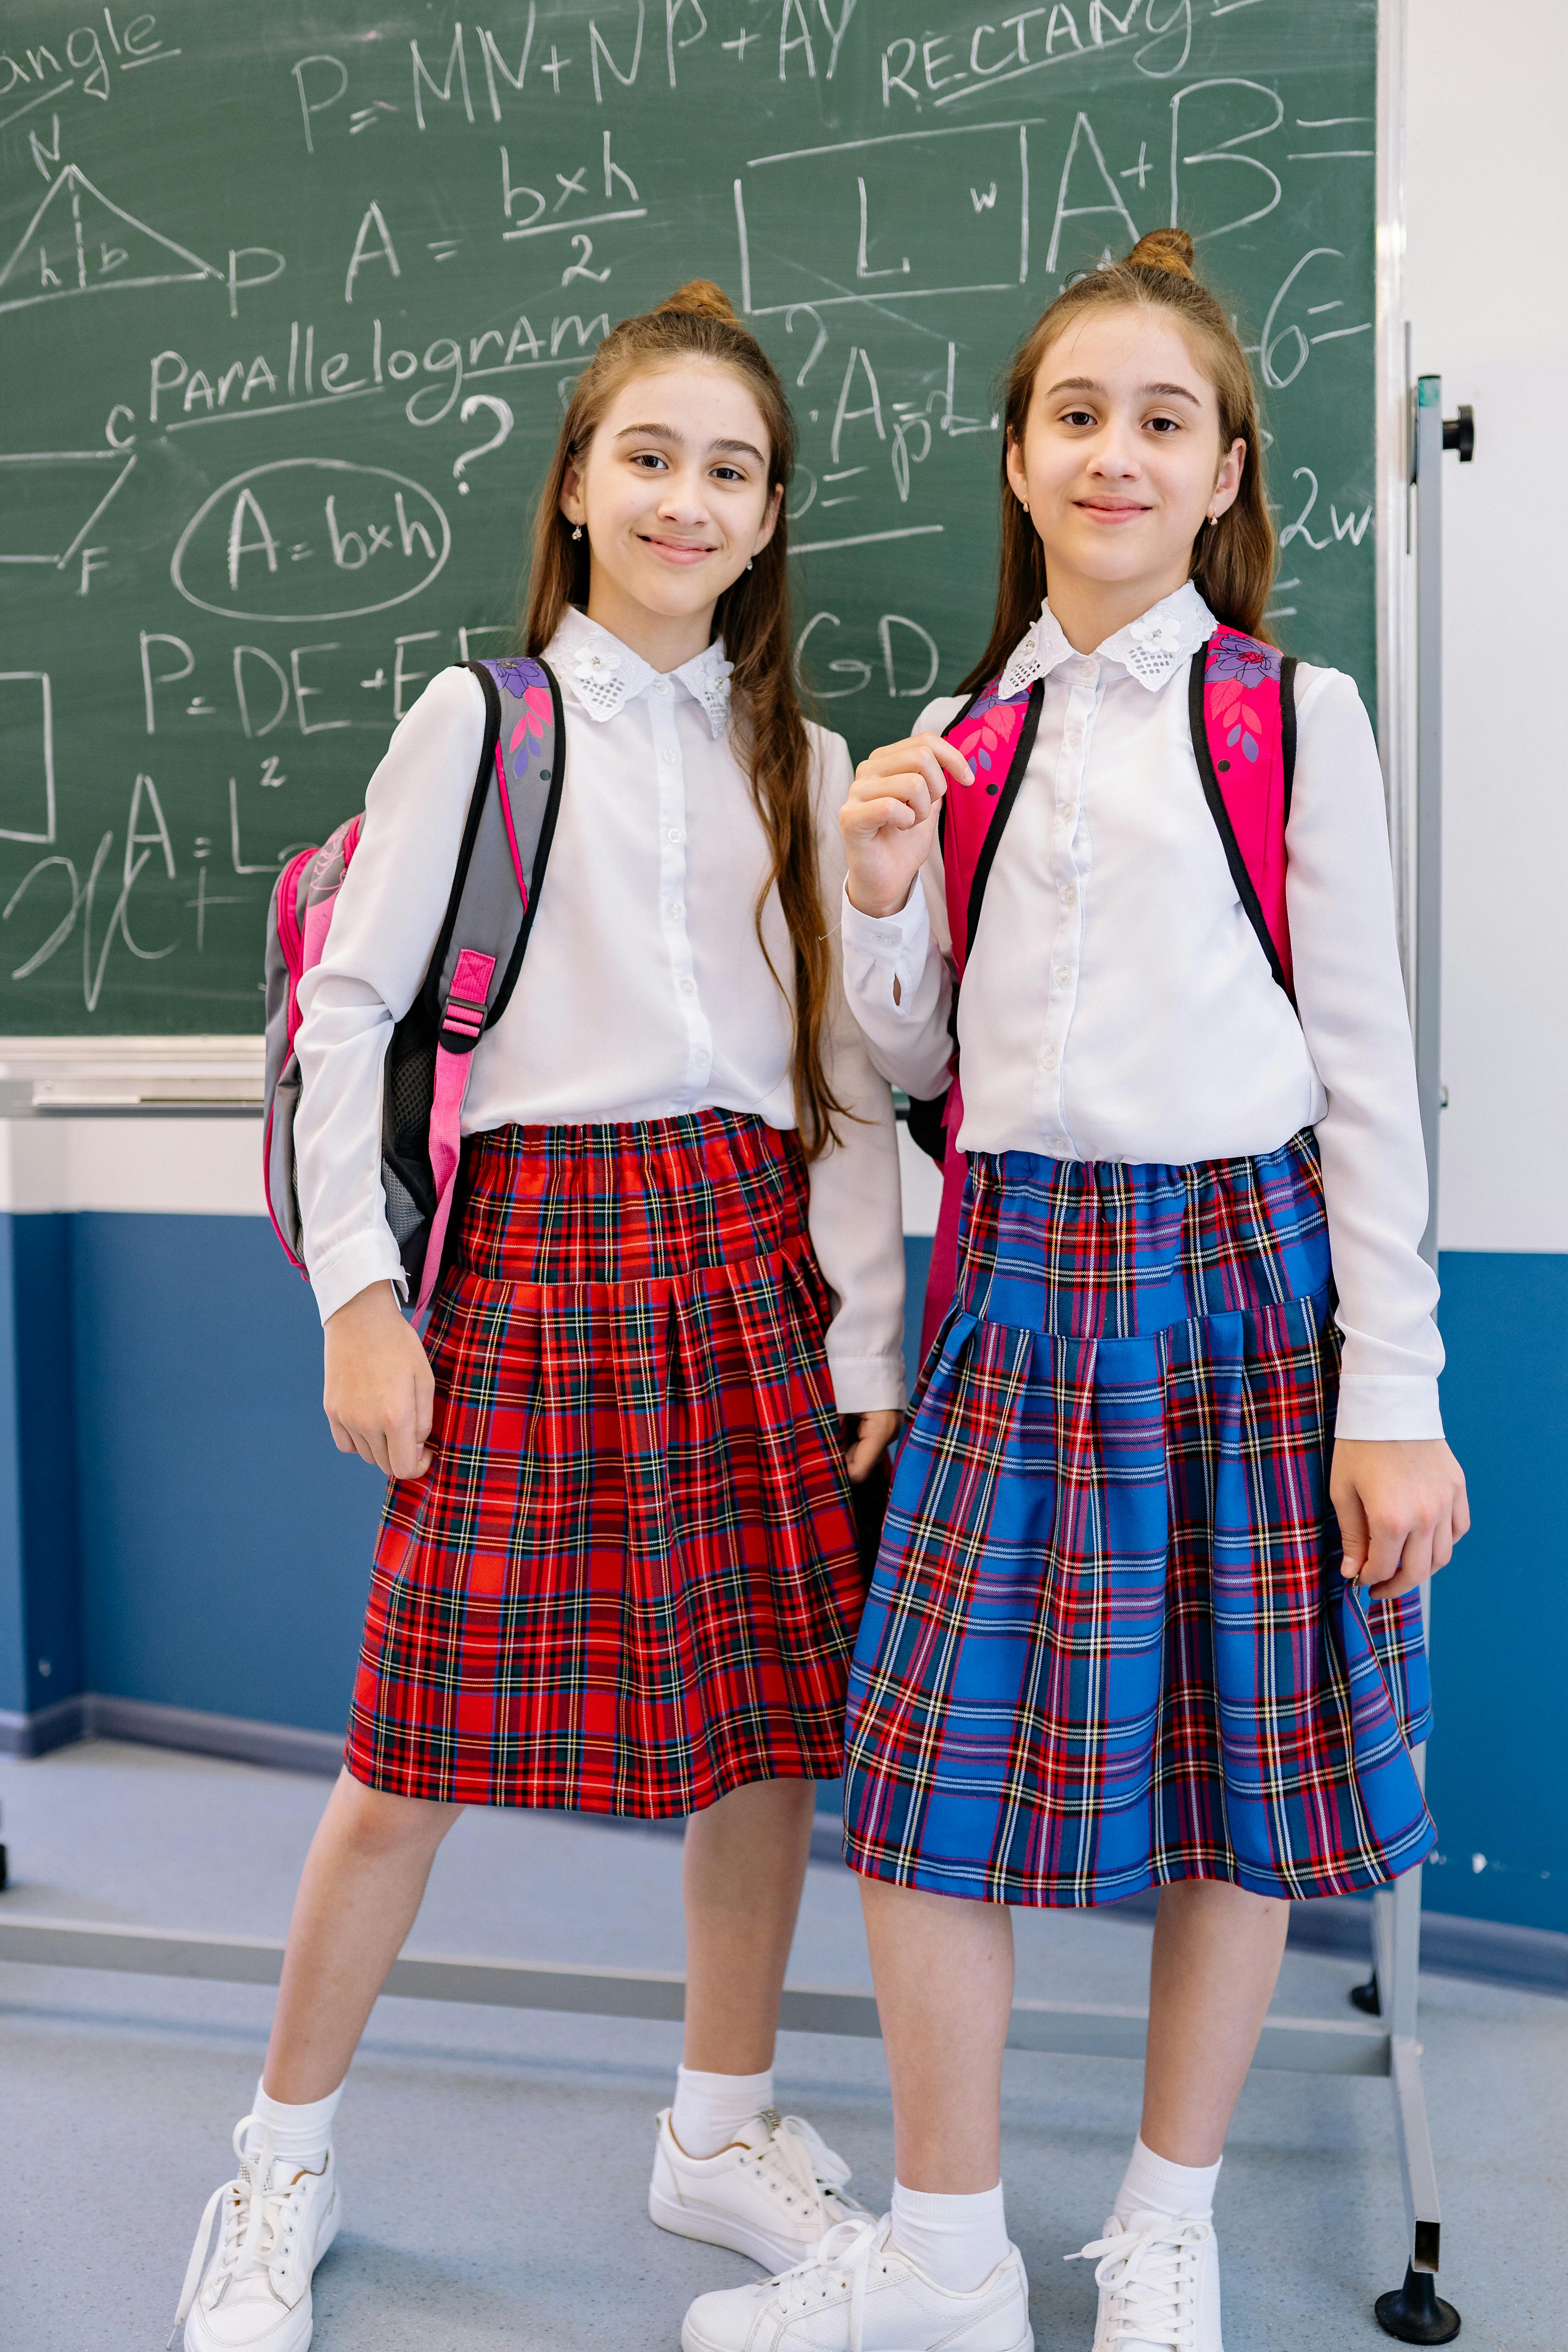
(1415, 2312)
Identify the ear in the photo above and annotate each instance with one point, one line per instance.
(1017, 479)
(770, 521)
(1227, 481)
(572, 501)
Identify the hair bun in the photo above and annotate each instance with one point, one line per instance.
(700, 299)
(1164, 248)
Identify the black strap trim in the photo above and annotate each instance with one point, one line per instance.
(1010, 791)
(546, 832)
(1244, 890)
(482, 779)
(1288, 726)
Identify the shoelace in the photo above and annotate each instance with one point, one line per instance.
(804, 2155)
(847, 2250)
(250, 2223)
(1151, 2272)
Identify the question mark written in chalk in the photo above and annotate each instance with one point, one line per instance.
(502, 415)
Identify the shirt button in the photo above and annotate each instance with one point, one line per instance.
(1069, 897)
(673, 833)
(1061, 975)
(689, 988)
(675, 910)
(1050, 1057)
(668, 755)
(1056, 1143)
(886, 938)
(1075, 737)
(1086, 669)
(661, 688)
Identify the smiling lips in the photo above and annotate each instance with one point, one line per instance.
(1111, 510)
(678, 550)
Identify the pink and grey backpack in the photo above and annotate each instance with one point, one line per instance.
(494, 897)
(1241, 704)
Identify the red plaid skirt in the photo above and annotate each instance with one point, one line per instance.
(628, 1583)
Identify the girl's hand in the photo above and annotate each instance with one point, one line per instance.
(875, 1433)
(1401, 1508)
(889, 821)
(380, 1393)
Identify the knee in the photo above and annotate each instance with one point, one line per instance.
(375, 1824)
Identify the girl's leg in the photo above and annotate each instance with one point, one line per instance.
(943, 1972)
(362, 1883)
(743, 1871)
(1216, 1955)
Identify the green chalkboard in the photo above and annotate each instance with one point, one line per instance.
(289, 296)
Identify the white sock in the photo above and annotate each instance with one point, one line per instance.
(957, 2241)
(711, 2110)
(1153, 2184)
(304, 2134)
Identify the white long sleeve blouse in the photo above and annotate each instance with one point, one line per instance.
(644, 992)
(1118, 1005)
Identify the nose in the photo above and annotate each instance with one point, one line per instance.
(683, 499)
(1115, 456)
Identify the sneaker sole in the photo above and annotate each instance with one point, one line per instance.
(693, 2340)
(773, 2253)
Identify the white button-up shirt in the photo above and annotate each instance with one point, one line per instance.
(1118, 1005)
(644, 992)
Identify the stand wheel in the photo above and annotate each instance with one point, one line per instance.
(1416, 2312)
(1365, 1996)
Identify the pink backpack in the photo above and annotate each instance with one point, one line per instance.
(1241, 703)
(489, 913)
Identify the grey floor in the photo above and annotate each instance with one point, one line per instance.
(495, 2162)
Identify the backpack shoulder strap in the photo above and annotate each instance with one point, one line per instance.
(997, 737)
(1241, 701)
(494, 897)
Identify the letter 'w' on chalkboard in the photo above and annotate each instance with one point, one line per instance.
(78, 242)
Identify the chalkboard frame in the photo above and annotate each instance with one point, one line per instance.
(59, 1075)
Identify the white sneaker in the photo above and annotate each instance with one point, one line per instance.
(773, 2193)
(1159, 2284)
(275, 2222)
(859, 2294)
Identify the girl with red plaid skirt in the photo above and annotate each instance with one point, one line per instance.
(617, 1568)
(1145, 1612)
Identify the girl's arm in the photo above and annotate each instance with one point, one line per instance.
(893, 909)
(856, 1217)
(1398, 1490)
(378, 1391)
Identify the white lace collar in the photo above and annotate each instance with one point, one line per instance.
(606, 675)
(1148, 648)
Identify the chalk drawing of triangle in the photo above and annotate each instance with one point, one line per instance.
(78, 243)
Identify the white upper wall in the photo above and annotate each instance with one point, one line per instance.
(1487, 197)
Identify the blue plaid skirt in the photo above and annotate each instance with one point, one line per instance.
(1107, 1642)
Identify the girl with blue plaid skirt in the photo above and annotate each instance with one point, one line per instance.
(1145, 1612)
(618, 1568)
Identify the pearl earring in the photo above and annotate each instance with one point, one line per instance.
(577, 528)
(748, 563)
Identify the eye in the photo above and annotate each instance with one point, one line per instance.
(728, 473)
(1077, 416)
(1164, 424)
(650, 459)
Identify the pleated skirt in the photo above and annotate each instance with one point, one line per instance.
(629, 1582)
(1107, 1642)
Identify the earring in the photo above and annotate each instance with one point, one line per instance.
(748, 563)
(1212, 518)
(1025, 504)
(577, 528)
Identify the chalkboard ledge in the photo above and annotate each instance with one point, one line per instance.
(53, 1076)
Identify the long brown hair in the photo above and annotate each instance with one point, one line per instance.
(753, 617)
(1234, 560)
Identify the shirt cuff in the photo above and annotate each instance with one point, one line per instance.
(354, 1265)
(867, 1383)
(898, 939)
(1385, 1405)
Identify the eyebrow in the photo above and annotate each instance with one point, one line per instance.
(1151, 391)
(671, 433)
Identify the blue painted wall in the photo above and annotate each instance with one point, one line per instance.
(176, 1526)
